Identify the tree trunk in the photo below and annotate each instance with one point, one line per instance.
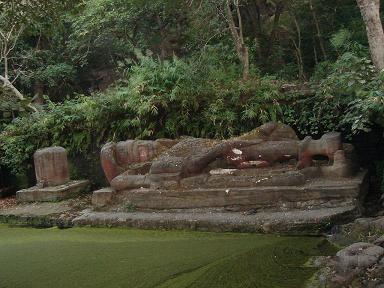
(276, 21)
(17, 93)
(238, 37)
(162, 46)
(317, 26)
(252, 18)
(38, 98)
(9, 85)
(298, 53)
(245, 56)
(370, 11)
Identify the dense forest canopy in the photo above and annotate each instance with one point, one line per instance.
(73, 44)
(78, 73)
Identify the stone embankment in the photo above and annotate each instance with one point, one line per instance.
(360, 264)
(79, 212)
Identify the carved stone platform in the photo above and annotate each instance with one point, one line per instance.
(268, 168)
(55, 193)
(313, 194)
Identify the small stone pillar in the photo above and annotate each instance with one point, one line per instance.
(52, 176)
(51, 167)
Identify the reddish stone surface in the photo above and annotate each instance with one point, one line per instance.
(108, 162)
(51, 166)
(117, 157)
(135, 164)
(327, 146)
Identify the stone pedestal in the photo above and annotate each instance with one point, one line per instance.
(52, 176)
(314, 194)
(51, 166)
(268, 168)
(51, 194)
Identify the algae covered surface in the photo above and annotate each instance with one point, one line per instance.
(89, 257)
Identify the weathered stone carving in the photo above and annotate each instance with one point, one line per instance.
(52, 177)
(327, 146)
(269, 156)
(51, 166)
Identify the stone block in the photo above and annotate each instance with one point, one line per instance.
(51, 166)
(359, 256)
(51, 194)
(379, 242)
(102, 197)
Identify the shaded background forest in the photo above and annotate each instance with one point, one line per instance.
(108, 70)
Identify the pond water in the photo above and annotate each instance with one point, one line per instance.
(90, 257)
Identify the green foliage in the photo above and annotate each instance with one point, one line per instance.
(201, 98)
(341, 39)
(9, 108)
(159, 99)
(179, 72)
(103, 34)
(349, 99)
(37, 57)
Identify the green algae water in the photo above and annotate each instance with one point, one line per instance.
(87, 257)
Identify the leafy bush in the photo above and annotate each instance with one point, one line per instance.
(201, 98)
(10, 107)
(350, 98)
(159, 99)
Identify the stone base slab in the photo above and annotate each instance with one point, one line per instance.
(49, 194)
(300, 222)
(102, 197)
(314, 194)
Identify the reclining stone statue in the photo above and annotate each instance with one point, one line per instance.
(165, 163)
(268, 167)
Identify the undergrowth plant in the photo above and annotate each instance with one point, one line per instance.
(200, 98)
(349, 99)
(158, 99)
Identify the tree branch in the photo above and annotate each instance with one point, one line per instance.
(18, 94)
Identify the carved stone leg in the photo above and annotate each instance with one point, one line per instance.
(129, 181)
(341, 166)
(327, 146)
(108, 162)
